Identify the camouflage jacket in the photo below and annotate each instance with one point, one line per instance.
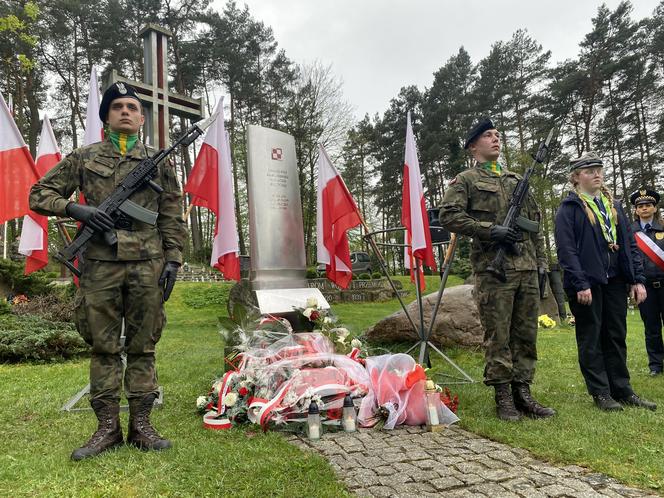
(96, 170)
(477, 199)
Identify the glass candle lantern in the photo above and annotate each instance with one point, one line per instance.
(433, 407)
(314, 427)
(348, 416)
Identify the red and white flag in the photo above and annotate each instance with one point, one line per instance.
(34, 234)
(211, 186)
(94, 128)
(336, 213)
(17, 169)
(413, 211)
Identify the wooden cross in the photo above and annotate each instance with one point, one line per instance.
(158, 102)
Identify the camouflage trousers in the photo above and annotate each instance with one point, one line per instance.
(110, 291)
(508, 312)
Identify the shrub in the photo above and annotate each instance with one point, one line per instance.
(364, 276)
(311, 272)
(35, 284)
(32, 338)
(461, 267)
(4, 306)
(204, 295)
(376, 275)
(55, 307)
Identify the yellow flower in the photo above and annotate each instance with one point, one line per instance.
(545, 321)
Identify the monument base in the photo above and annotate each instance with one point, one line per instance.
(277, 302)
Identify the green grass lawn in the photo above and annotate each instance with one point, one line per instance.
(36, 439)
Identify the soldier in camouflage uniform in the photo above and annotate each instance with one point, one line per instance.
(129, 280)
(475, 204)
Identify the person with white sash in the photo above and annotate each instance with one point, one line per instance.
(649, 235)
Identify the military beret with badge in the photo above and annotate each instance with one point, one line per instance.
(117, 90)
(478, 128)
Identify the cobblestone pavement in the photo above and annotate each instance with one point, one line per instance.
(455, 463)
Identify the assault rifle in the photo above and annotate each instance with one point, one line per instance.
(118, 203)
(514, 219)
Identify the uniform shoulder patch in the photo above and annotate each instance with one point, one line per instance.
(453, 181)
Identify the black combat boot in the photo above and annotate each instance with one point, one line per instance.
(505, 408)
(526, 404)
(108, 434)
(141, 433)
(607, 403)
(634, 400)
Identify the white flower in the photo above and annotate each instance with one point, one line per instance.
(356, 343)
(307, 312)
(342, 333)
(327, 319)
(312, 302)
(230, 399)
(201, 401)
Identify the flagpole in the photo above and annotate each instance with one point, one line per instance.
(418, 293)
(10, 105)
(383, 266)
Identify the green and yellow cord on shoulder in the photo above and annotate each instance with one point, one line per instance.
(123, 142)
(493, 166)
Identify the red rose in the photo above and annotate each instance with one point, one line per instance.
(314, 316)
(243, 391)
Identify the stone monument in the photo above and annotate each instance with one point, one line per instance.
(276, 233)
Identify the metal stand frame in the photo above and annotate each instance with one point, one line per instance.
(424, 334)
(70, 406)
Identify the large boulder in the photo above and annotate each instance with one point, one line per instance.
(457, 322)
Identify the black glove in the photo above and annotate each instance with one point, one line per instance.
(500, 233)
(91, 216)
(541, 277)
(167, 278)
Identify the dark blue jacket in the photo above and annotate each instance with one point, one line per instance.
(650, 270)
(583, 253)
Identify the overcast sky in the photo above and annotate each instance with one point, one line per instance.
(378, 46)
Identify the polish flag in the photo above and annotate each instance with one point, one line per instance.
(413, 211)
(211, 186)
(34, 234)
(17, 169)
(94, 131)
(336, 213)
(94, 128)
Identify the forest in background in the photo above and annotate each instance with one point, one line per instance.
(609, 99)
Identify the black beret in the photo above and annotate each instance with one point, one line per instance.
(115, 91)
(644, 196)
(587, 160)
(480, 127)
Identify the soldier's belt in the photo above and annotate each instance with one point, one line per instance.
(527, 225)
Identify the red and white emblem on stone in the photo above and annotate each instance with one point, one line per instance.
(277, 154)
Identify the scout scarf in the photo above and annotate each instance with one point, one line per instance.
(493, 166)
(607, 221)
(123, 142)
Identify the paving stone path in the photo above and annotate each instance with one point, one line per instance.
(411, 462)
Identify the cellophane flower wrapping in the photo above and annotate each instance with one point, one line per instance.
(279, 374)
